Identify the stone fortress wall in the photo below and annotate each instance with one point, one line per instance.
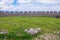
(30, 13)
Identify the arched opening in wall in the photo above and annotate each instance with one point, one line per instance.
(2, 13)
(47, 12)
(16, 13)
(6, 13)
(55, 12)
(25, 13)
(59, 12)
(51, 13)
(58, 15)
(34, 11)
(43, 13)
(29, 11)
(21, 12)
(38, 11)
(11, 13)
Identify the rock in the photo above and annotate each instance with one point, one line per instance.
(49, 37)
(3, 31)
(33, 30)
(38, 29)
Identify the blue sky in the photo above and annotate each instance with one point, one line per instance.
(29, 5)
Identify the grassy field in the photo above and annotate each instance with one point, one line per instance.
(16, 26)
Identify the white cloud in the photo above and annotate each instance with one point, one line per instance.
(2, 1)
(28, 6)
(6, 2)
(47, 1)
(4, 5)
(10, 1)
(24, 1)
(57, 1)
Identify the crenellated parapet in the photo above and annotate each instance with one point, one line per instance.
(29, 13)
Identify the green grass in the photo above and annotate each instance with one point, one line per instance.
(18, 24)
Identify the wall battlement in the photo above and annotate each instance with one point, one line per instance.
(30, 13)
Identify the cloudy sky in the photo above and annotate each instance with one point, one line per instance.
(29, 5)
